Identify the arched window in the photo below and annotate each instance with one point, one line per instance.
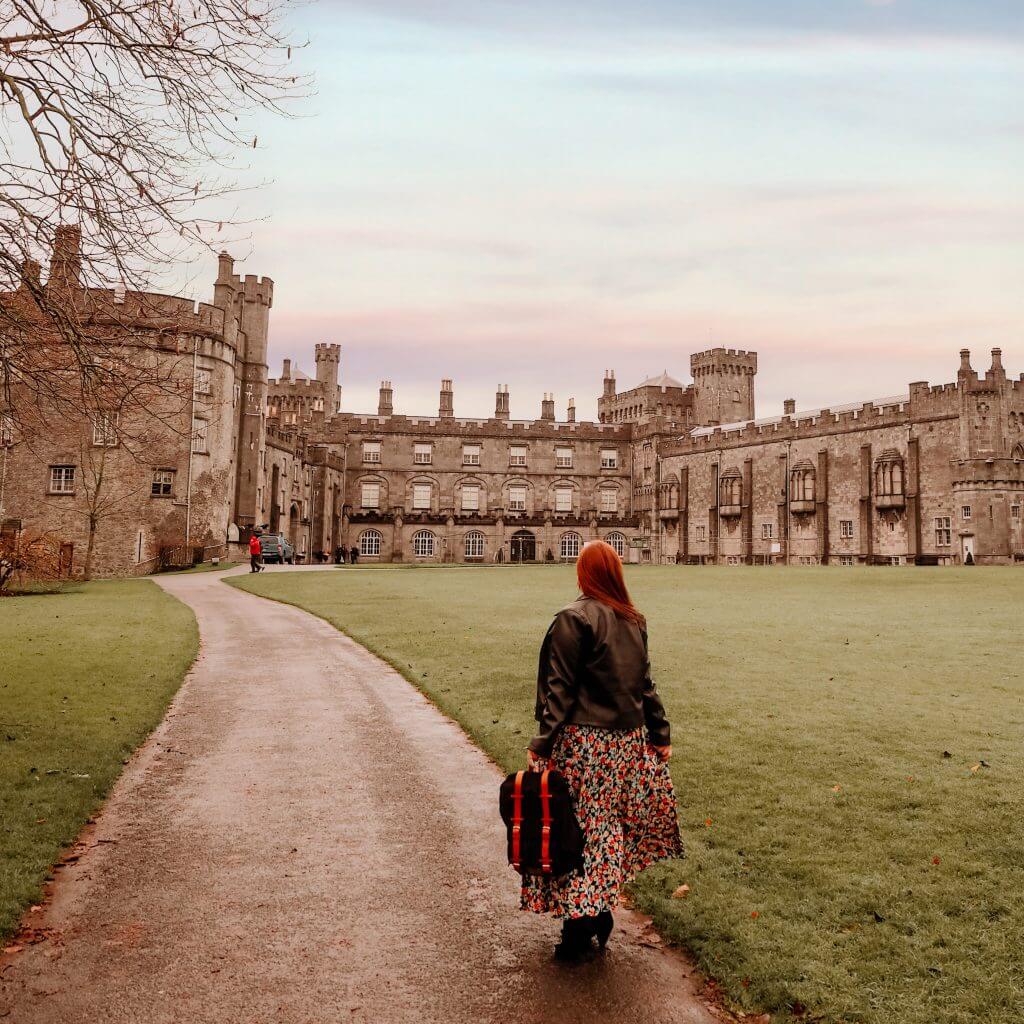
(889, 474)
(731, 489)
(801, 482)
(369, 543)
(423, 544)
(618, 543)
(571, 544)
(474, 545)
(1018, 453)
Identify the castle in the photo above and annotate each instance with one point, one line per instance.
(670, 473)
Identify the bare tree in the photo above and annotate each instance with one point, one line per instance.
(126, 119)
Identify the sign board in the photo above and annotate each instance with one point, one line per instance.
(776, 548)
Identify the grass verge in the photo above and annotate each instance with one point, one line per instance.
(849, 757)
(85, 675)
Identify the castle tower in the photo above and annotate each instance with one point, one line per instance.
(385, 403)
(983, 404)
(328, 361)
(501, 408)
(723, 385)
(547, 407)
(447, 405)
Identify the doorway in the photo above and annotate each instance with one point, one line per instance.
(523, 546)
(967, 549)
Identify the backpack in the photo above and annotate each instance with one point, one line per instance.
(544, 837)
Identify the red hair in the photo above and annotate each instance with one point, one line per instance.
(599, 571)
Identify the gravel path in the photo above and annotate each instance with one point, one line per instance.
(306, 839)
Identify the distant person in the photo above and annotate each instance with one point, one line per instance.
(339, 555)
(255, 553)
(353, 555)
(602, 725)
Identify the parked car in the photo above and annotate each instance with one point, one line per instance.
(276, 550)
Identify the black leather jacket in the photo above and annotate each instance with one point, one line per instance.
(594, 670)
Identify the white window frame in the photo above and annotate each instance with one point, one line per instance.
(1015, 511)
(618, 543)
(966, 512)
(371, 452)
(561, 503)
(943, 531)
(204, 381)
(609, 499)
(474, 544)
(200, 437)
(163, 483)
(563, 458)
(767, 531)
(517, 454)
(471, 454)
(366, 488)
(418, 503)
(846, 529)
(700, 533)
(569, 546)
(474, 504)
(517, 504)
(424, 544)
(609, 458)
(62, 480)
(370, 542)
(6, 431)
(104, 429)
(422, 454)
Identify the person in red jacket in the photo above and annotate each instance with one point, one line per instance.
(255, 553)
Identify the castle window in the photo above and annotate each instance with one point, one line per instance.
(618, 543)
(470, 498)
(730, 492)
(801, 483)
(6, 431)
(966, 512)
(701, 533)
(423, 544)
(889, 492)
(563, 499)
(846, 529)
(203, 381)
(517, 499)
(421, 494)
(62, 479)
(471, 455)
(423, 454)
(1018, 453)
(1015, 511)
(517, 455)
(846, 559)
(609, 499)
(200, 437)
(609, 458)
(370, 542)
(474, 545)
(236, 394)
(104, 430)
(370, 496)
(371, 451)
(570, 545)
(563, 458)
(767, 531)
(943, 531)
(163, 483)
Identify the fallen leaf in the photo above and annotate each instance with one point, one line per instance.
(707, 822)
(936, 860)
(837, 789)
(682, 892)
(12, 949)
(755, 914)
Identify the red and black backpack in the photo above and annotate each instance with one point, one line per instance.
(544, 837)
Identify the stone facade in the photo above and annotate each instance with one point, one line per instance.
(671, 473)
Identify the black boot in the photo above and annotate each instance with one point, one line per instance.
(575, 945)
(604, 923)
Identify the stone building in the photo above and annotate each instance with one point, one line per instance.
(670, 473)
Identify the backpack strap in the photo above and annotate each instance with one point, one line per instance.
(545, 828)
(517, 818)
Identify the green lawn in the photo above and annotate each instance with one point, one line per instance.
(85, 675)
(849, 757)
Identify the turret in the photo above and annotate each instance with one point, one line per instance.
(328, 361)
(385, 403)
(501, 407)
(447, 406)
(723, 385)
(547, 407)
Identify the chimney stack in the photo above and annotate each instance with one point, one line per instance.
(547, 407)
(570, 415)
(789, 406)
(385, 404)
(447, 407)
(997, 361)
(286, 370)
(66, 261)
(501, 410)
(609, 383)
(965, 363)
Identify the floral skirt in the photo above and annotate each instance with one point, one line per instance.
(626, 807)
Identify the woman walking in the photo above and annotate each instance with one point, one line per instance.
(602, 725)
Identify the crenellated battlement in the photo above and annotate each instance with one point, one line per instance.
(354, 423)
(723, 360)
